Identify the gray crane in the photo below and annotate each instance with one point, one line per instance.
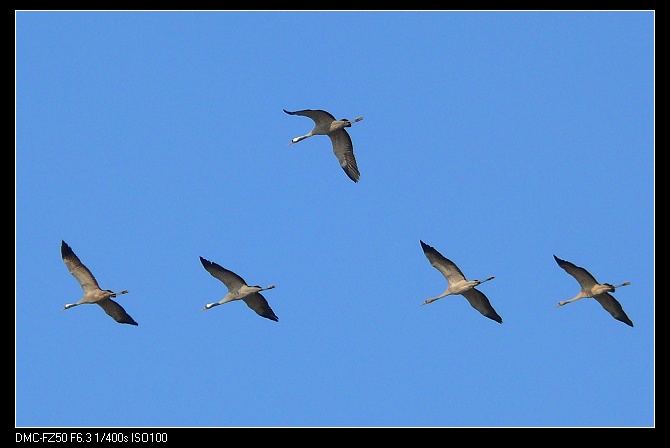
(239, 290)
(326, 124)
(458, 284)
(591, 288)
(92, 291)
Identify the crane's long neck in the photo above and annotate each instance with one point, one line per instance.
(114, 294)
(581, 295)
(432, 299)
(619, 286)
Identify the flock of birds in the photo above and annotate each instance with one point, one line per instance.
(238, 289)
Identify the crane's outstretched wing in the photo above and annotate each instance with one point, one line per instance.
(585, 279)
(257, 302)
(116, 311)
(232, 281)
(344, 150)
(613, 306)
(447, 267)
(482, 304)
(317, 115)
(77, 268)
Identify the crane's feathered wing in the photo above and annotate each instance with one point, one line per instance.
(260, 305)
(481, 303)
(447, 267)
(232, 281)
(90, 284)
(77, 268)
(343, 147)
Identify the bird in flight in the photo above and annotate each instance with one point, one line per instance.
(239, 290)
(326, 124)
(92, 291)
(591, 288)
(458, 284)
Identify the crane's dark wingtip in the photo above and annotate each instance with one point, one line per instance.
(494, 316)
(126, 320)
(627, 322)
(65, 249)
(353, 175)
(290, 113)
(559, 261)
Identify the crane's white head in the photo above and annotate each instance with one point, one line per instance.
(210, 305)
(302, 137)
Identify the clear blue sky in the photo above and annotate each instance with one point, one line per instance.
(148, 139)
